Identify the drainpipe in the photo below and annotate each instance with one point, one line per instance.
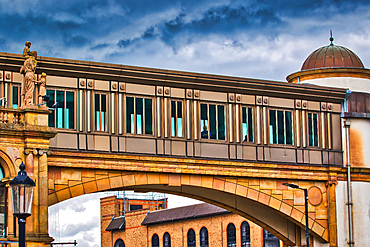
(347, 125)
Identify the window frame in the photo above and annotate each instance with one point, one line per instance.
(230, 242)
(200, 237)
(155, 234)
(143, 97)
(176, 118)
(18, 86)
(277, 126)
(54, 113)
(194, 243)
(308, 129)
(107, 111)
(247, 118)
(119, 241)
(248, 230)
(164, 238)
(216, 104)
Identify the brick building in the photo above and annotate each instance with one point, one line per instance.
(192, 226)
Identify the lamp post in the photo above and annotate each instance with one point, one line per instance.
(22, 187)
(294, 186)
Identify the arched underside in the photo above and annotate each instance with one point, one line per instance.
(263, 216)
(273, 214)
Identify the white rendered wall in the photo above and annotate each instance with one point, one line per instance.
(361, 213)
(360, 142)
(353, 84)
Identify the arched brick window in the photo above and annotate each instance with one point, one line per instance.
(119, 243)
(155, 240)
(245, 234)
(166, 240)
(191, 238)
(231, 235)
(203, 237)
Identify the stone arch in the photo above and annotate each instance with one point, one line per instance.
(7, 164)
(268, 211)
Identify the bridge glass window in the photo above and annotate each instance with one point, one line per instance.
(16, 96)
(270, 240)
(64, 115)
(176, 119)
(3, 215)
(231, 235)
(155, 240)
(101, 106)
(166, 240)
(313, 130)
(212, 121)
(203, 237)
(245, 234)
(119, 243)
(281, 127)
(247, 124)
(139, 115)
(191, 238)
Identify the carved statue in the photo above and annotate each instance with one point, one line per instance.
(28, 83)
(42, 86)
(27, 51)
(29, 77)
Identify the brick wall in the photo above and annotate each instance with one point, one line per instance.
(138, 235)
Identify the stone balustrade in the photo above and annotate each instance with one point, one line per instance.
(11, 116)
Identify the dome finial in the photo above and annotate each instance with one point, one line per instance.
(331, 37)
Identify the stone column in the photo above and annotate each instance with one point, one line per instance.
(43, 194)
(333, 238)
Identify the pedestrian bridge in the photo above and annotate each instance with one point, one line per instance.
(228, 141)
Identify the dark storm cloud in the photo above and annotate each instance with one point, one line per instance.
(118, 30)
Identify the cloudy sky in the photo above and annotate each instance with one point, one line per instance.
(265, 39)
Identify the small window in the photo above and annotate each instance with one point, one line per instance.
(247, 124)
(191, 238)
(176, 119)
(212, 121)
(166, 240)
(101, 112)
(63, 116)
(313, 130)
(135, 207)
(119, 243)
(16, 97)
(139, 116)
(203, 237)
(245, 234)
(155, 240)
(231, 235)
(281, 127)
(270, 240)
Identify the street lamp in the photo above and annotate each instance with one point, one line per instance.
(294, 186)
(22, 187)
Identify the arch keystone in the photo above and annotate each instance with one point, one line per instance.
(286, 209)
(77, 190)
(116, 182)
(128, 180)
(241, 190)
(230, 187)
(90, 187)
(218, 184)
(103, 184)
